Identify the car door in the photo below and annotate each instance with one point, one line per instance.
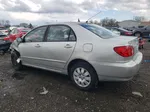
(32, 47)
(59, 46)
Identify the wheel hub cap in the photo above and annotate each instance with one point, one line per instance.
(82, 77)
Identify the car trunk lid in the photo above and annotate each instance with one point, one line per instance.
(127, 41)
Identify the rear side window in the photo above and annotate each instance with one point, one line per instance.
(72, 36)
(100, 31)
(60, 33)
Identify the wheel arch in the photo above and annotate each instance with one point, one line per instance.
(74, 61)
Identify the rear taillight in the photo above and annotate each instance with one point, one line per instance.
(6, 31)
(124, 51)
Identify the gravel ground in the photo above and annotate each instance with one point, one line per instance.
(20, 91)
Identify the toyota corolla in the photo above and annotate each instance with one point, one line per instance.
(88, 53)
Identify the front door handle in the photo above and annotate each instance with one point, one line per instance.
(37, 46)
(68, 46)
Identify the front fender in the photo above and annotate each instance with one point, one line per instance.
(14, 46)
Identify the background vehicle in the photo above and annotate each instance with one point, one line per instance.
(4, 31)
(4, 45)
(123, 31)
(114, 30)
(88, 53)
(144, 31)
(16, 33)
(2, 35)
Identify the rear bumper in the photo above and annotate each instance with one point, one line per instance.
(118, 71)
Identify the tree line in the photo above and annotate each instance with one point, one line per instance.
(106, 22)
(5, 23)
(110, 22)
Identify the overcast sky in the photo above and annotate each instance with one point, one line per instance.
(43, 11)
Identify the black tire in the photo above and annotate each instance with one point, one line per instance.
(14, 57)
(92, 72)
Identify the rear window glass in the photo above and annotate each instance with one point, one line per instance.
(100, 31)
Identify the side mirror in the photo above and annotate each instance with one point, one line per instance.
(145, 28)
(19, 40)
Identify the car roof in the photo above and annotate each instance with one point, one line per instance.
(66, 23)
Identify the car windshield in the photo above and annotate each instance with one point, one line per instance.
(100, 31)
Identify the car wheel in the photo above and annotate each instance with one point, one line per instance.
(15, 62)
(137, 34)
(84, 76)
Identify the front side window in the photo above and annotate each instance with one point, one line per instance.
(60, 33)
(36, 35)
(100, 31)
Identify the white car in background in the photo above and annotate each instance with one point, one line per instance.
(4, 31)
(115, 31)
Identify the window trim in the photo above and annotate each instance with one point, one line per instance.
(49, 26)
(34, 30)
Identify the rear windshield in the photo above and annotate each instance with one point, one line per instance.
(100, 31)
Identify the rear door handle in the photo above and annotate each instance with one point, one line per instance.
(68, 46)
(37, 46)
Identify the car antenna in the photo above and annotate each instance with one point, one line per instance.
(93, 16)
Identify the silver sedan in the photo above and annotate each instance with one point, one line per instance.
(88, 53)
